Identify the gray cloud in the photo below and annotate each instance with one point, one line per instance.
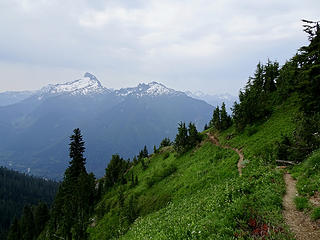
(205, 45)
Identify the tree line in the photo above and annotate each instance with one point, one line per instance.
(17, 190)
(298, 78)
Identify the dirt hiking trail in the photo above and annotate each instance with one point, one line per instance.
(215, 141)
(300, 224)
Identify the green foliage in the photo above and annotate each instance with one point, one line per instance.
(205, 198)
(220, 118)
(165, 142)
(27, 225)
(316, 214)
(226, 120)
(186, 138)
(18, 190)
(250, 130)
(216, 119)
(14, 231)
(166, 155)
(301, 203)
(75, 198)
(307, 174)
(41, 217)
(308, 60)
(31, 224)
(158, 176)
(115, 171)
(257, 97)
(193, 136)
(181, 141)
(303, 140)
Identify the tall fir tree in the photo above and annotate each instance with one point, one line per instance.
(27, 224)
(216, 120)
(181, 140)
(73, 203)
(225, 119)
(145, 152)
(41, 217)
(14, 231)
(194, 136)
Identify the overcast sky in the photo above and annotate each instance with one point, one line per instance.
(207, 45)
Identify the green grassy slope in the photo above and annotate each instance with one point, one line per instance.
(307, 174)
(200, 195)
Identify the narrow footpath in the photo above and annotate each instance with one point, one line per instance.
(215, 141)
(300, 224)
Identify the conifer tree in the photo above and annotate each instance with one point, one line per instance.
(155, 149)
(309, 63)
(115, 171)
(143, 164)
(225, 119)
(216, 120)
(41, 217)
(141, 155)
(77, 163)
(194, 136)
(134, 160)
(73, 203)
(27, 224)
(165, 142)
(181, 140)
(14, 231)
(145, 152)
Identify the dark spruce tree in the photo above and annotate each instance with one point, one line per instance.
(216, 120)
(186, 138)
(41, 217)
(257, 98)
(165, 142)
(14, 231)
(145, 152)
(194, 137)
(225, 119)
(115, 171)
(308, 59)
(27, 225)
(181, 140)
(73, 203)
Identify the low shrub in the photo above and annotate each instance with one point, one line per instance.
(316, 214)
(301, 203)
(158, 176)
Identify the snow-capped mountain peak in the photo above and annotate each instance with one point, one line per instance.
(86, 85)
(151, 89)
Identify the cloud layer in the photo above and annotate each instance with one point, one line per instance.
(205, 45)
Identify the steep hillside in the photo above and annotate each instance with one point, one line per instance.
(204, 197)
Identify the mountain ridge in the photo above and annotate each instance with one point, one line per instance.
(37, 127)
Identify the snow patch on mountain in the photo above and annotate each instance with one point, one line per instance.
(89, 84)
(151, 89)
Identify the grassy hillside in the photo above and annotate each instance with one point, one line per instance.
(200, 194)
(308, 185)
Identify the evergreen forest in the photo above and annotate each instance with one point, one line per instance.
(18, 190)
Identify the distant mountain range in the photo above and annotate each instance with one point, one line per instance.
(9, 98)
(215, 100)
(35, 126)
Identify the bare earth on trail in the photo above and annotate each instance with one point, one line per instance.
(299, 223)
(215, 141)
